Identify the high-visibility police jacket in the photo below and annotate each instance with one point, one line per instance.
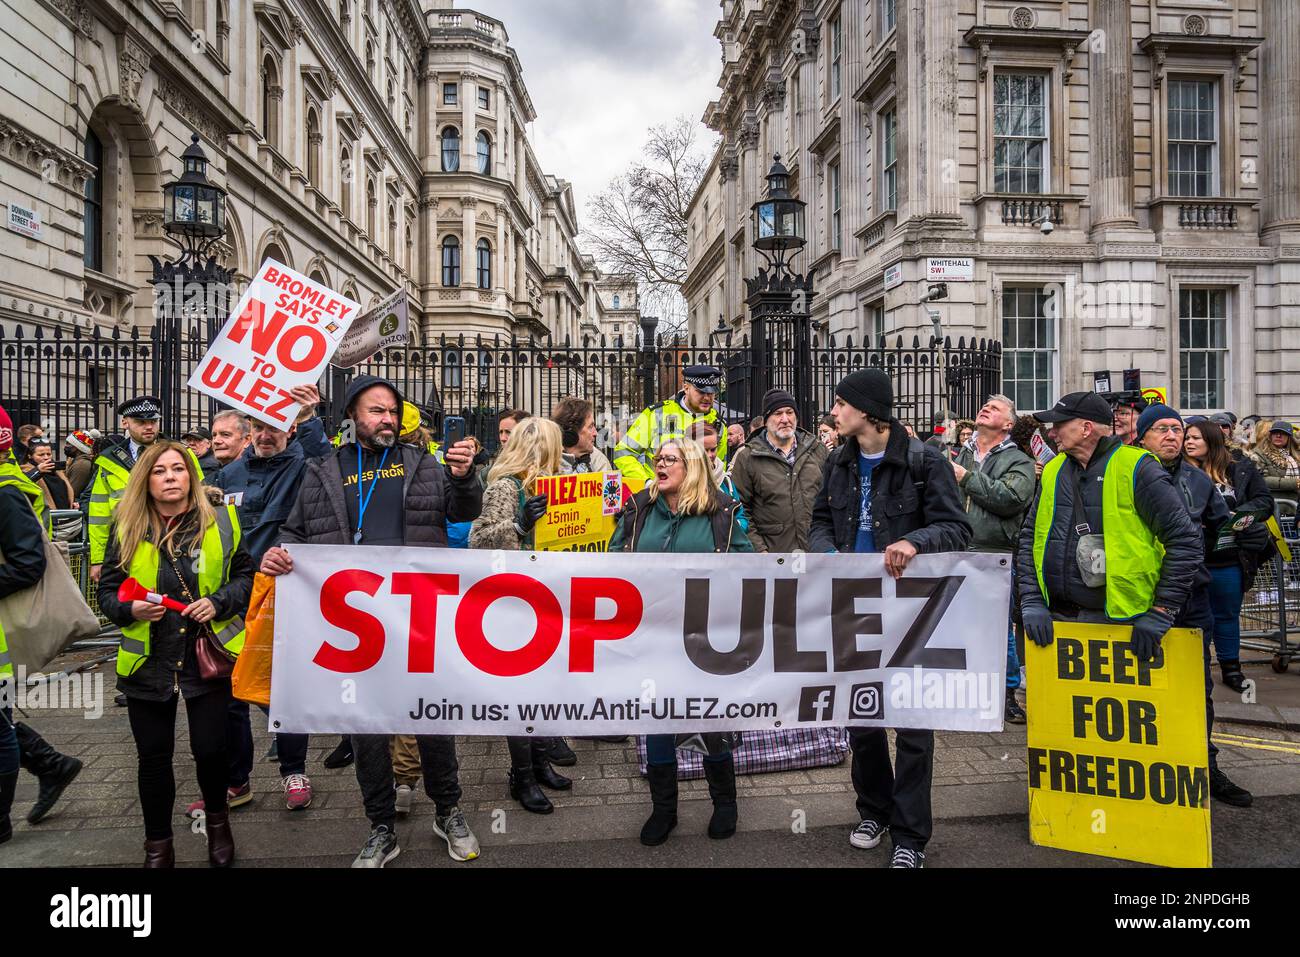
(634, 455)
(11, 474)
(220, 540)
(112, 472)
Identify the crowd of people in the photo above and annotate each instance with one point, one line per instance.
(1055, 489)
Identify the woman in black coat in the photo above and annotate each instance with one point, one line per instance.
(167, 537)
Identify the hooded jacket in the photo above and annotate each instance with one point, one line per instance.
(997, 493)
(778, 496)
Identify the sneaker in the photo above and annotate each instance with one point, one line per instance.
(235, 797)
(1014, 714)
(867, 834)
(1222, 789)
(381, 847)
(907, 859)
(462, 845)
(341, 756)
(273, 752)
(297, 791)
(403, 798)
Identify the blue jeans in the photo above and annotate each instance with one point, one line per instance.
(1013, 659)
(662, 749)
(1225, 600)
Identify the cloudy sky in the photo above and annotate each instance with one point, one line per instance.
(600, 72)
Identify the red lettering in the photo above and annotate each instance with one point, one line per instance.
(424, 590)
(484, 656)
(277, 410)
(264, 333)
(271, 274)
(209, 372)
(260, 390)
(368, 629)
(315, 352)
(232, 386)
(585, 629)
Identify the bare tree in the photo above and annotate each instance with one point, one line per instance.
(638, 222)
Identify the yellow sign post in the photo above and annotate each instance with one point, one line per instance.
(1117, 750)
(580, 511)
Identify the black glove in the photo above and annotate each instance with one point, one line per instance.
(1254, 538)
(1147, 632)
(534, 508)
(1038, 624)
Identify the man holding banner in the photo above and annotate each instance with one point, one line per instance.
(377, 492)
(883, 491)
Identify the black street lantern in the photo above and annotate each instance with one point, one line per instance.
(194, 210)
(778, 218)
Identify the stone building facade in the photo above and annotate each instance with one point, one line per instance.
(373, 144)
(1159, 138)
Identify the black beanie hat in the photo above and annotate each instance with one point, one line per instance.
(363, 382)
(870, 391)
(774, 399)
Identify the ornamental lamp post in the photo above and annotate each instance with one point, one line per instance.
(194, 286)
(780, 301)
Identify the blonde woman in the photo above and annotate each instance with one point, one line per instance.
(1278, 457)
(511, 510)
(682, 510)
(167, 537)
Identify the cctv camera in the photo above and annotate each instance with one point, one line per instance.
(1046, 227)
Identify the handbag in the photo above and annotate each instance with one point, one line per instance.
(41, 621)
(213, 660)
(251, 679)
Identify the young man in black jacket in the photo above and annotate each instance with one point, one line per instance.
(375, 491)
(885, 492)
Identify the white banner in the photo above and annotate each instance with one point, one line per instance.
(383, 326)
(437, 641)
(280, 334)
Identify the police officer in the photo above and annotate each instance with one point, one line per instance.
(670, 419)
(1160, 431)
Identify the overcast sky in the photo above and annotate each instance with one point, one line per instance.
(600, 72)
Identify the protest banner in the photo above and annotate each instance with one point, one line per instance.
(383, 326)
(434, 641)
(580, 512)
(1117, 753)
(280, 335)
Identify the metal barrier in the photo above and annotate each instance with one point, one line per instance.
(1270, 612)
(70, 522)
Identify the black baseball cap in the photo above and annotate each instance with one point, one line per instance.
(199, 433)
(1079, 405)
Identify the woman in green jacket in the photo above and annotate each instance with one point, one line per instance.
(682, 510)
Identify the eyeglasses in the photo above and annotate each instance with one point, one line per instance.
(1167, 429)
(667, 461)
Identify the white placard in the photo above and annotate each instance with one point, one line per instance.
(381, 640)
(951, 269)
(383, 326)
(893, 276)
(281, 334)
(25, 221)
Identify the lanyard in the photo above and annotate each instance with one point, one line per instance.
(363, 502)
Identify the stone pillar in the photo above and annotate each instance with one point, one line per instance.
(853, 134)
(521, 270)
(469, 236)
(429, 254)
(807, 116)
(499, 253)
(1279, 82)
(499, 148)
(1110, 116)
(929, 187)
(521, 169)
(468, 127)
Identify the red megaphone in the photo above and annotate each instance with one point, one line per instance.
(132, 590)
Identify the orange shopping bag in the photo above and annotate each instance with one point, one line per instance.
(251, 680)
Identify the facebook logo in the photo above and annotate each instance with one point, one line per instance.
(817, 703)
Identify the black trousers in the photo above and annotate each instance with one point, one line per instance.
(153, 725)
(897, 795)
(1199, 613)
(374, 759)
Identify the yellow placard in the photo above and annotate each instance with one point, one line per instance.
(580, 512)
(1117, 750)
(1156, 394)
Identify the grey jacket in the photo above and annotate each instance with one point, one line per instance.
(996, 492)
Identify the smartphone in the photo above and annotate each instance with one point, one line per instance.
(453, 430)
(60, 466)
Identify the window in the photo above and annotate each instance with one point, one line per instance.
(223, 29)
(451, 262)
(1020, 150)
(1029, 346)
(888, 17)
(1202, 348)
(450, 150)
(370, 60)
(836, 219)
(876, 316)
(392, 95)
(1193, 138)
(449, 91)
(410, 248)
(451, 369)
(889, 160)
(313, 148)
(270, 101)
(484, 98)
(345, 174)
(93, 207)
(392, 230)
(616, 301)
(837, 56)
(484, 152)
(371, 208)
(484, 264)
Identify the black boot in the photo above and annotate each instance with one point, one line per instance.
(524, 789)
(8, 784)
(55, 771)
(559, 753)
(663, 796)
(1222, 789)
(1232, 676)
(341, 756)
(546, 775)
(1013, 713)
(721, 776)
